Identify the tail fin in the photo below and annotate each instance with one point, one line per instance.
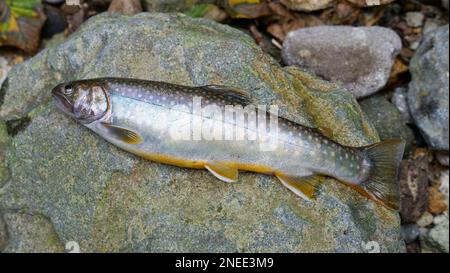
(382, 185)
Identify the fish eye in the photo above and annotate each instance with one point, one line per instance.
(68, 89)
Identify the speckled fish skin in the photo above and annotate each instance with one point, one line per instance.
(145, 107)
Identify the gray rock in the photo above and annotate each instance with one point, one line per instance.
(410, 233)
(3, 234)
(31, 233)
(415, 18)
(428, 90)
(171, 5)
(106, 199)
(358, 58)
(399, 99)
(312, 5)
(4, 142)
(387, 120)
(430, 25)
(436, 239)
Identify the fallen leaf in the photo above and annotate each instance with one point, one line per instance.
(21, 22)
(247, 9)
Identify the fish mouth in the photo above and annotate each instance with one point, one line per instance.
(62, 102)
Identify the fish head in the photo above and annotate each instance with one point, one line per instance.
(84, 101)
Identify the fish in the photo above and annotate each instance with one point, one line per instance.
(162, 122)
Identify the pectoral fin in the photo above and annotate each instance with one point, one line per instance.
(123, 134)
(222, 171)
(305, 187)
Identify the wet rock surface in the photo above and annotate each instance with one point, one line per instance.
(387, 120)
(358, 58)
(71, 185)
(428, 91)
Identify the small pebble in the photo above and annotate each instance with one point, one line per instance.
(430, 25)
(414, 45)
(399, 100)
(425, 220)
(414, 19)
(442, 158)
(440, 219)
(410, 233)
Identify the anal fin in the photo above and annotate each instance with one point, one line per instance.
(222, 171)
(305, 187)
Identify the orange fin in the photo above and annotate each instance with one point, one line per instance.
(222, 171)
(305, 187)
(123, 134)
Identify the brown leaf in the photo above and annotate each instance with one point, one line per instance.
(21, 31)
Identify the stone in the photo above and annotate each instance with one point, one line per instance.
(436, 239)
(413, 180)
(442, 158)
(312, 5)
(104, 199)
(428, 90)
(425, 220)
(56, 21)
(307, 5)
(436, 201)
(4, 143)
(387, 120)
(410, 233)
(358, 58)
(438, 194)
(172, 5)
(125, 7)
(437, 220)
(31, 233)
(430, 25)
(370, 3)
(415, 18)
(3, 234)
(400, 101)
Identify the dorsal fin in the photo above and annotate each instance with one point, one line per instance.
(232, 93)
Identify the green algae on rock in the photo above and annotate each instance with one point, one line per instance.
(108, 200)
